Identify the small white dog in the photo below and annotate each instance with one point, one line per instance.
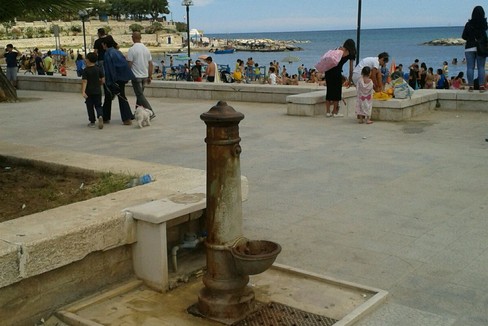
(143, 116)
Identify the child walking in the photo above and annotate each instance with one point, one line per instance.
(92, 79)
(364, 103)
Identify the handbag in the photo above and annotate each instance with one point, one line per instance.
(482, 46)
(329, 60)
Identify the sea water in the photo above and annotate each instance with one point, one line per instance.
(403, 44)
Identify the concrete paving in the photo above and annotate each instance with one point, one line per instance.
(397, 206)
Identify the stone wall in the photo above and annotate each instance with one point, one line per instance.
(119, 29)
(181, 89)
(27, 301)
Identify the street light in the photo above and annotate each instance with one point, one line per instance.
(83, 14)
(188, 3)
(358, 31)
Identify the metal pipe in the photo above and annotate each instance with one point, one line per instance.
(358, 31)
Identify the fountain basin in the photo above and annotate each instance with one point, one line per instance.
(253, 257)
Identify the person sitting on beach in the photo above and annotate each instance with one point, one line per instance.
(441, 80)
(457, 82)
(398, 73)
(374, 63)
(429, 79)
(273, 79)
(312, 76)
(293, 80)
(62, 70)
(238, 71)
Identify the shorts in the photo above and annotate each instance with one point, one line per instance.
(211, 79)
(12, 73)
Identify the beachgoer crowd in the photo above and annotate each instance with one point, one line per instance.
(108, 69)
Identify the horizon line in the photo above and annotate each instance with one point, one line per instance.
(335, 30)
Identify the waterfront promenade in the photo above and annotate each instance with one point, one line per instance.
(397, 206)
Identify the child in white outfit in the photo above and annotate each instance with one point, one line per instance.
(364, 103)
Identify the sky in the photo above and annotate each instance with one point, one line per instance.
(246, 16)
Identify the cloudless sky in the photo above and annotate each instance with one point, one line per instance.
(234, 16)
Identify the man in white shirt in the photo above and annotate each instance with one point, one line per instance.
(140, 61)
(374, 63)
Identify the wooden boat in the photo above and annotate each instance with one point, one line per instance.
(225, 51)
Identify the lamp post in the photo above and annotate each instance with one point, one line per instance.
(358, 31)
(83, 14)
(188, 3)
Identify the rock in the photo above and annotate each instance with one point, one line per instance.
(446, 42)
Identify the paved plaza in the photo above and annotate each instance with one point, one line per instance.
(398, 206)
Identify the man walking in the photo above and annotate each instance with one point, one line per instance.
(11, 54)
(100, 52)
(140, 61)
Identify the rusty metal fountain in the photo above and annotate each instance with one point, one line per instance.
(231, 257)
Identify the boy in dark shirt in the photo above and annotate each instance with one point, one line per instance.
(92, 79)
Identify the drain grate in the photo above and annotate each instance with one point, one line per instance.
(277, 314)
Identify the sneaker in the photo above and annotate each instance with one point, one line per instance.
(100, 123)
(482, 89)
(91, 125)
(328, 114)
(127, 122)
(470, 89)
(338, 115)
(153, 115)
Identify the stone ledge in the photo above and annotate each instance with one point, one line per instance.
(422, 101)
(69, 233)
(180, 89)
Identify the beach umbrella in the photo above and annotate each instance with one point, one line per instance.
(290, 59)
(58, 52)
(203, 56)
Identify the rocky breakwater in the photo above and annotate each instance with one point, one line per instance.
(446, 42)
(263, 45)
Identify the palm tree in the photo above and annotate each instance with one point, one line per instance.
(45, 9)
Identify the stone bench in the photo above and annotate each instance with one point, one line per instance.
(306, 104)
(313, 103)
(422, 101)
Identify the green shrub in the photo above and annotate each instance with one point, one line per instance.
(75, 28)
(136, 27)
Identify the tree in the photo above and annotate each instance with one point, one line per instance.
(157, 7)
(137, 9)
(52, 9)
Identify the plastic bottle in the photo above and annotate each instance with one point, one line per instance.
(142, 180)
